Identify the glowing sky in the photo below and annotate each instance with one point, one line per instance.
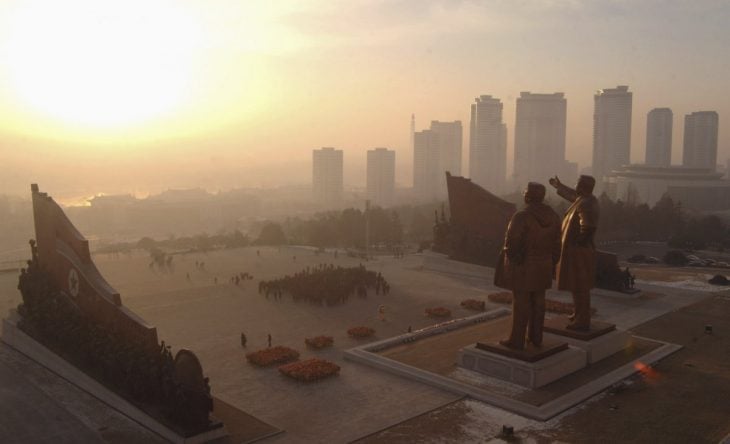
(232, 93)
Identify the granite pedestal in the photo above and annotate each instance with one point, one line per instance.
(531, 368)
(601, 341)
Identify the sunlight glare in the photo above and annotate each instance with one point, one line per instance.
(102, 64)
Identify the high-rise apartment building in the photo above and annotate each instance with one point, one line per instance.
(611, 131)
(539, 137)
(381, 176)
(327, 184)
(487, 144)
(436, 151)
(659, 137)
(426, 180)
(450, 135)
(700, 139)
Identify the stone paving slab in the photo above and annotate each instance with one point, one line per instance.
(542, 404)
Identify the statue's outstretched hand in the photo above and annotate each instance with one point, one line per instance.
(555, 182)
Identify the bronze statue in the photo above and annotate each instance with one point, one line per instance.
(531, 250)
(576, 270)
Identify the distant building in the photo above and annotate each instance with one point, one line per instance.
(700, 139)
(488, 144)
(450, 135)
(381, 176)
(611, 131)
(539, 137)
(659, 137)
(436, 151)
(700, 189)
(327, 183)
(426, 180)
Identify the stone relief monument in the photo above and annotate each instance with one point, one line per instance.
(70, 309)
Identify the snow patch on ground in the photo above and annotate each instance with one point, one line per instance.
(687, 284)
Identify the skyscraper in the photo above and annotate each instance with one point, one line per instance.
(436, 151)
(700, 139)
(487, 144)
(327, 176)
(539, 137)
(611, 131)
(426, 180)
(381, 176)
(450, 135)
(659, 137)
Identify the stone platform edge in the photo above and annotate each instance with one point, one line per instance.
(21, 342)
(367, 354)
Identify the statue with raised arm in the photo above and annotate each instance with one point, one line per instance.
(531, 250)
(576, 271)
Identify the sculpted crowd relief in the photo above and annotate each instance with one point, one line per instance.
(537, 247)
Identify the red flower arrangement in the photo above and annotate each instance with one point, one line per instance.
(438, 312)
(319, 341)
(273, 355)
(551, 305)
(503, 297)
(360, 332)
(473, 304)
(310, 370)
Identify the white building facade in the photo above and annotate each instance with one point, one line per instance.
(488, 144)
(700, 139)
(611, 131)
(381, 176)
(327, 177)
(539, 137)
(659, 137)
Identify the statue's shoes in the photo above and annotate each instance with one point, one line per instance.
(578, 327)
(509, 344)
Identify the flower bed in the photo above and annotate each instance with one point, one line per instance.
(551, 305)
(360, 332)
(319, 341)
(310, 370)
(438, 312)
(503, 297)
(272, 355)
(473, 304)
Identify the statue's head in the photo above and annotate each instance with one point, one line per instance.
(585, 185)
(534, 193)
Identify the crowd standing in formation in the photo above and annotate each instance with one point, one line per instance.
(326, 283)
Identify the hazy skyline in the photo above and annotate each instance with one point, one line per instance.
(232, 94)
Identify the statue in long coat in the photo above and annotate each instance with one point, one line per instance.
(576, 271)
(531, 250)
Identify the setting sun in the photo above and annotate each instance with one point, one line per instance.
(101, 64)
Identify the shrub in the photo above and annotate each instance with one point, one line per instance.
(551, 305)
(473, 304)
(273, 355)
(319, 341)
(438, 312)
(360, 332)
(310, 370)
(676, 258)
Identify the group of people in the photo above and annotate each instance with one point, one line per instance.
(537, 247)
(242, 276)
(326, 284)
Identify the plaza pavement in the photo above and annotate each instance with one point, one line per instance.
(208, 318)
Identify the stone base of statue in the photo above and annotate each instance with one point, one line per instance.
(532, 367)
(13, 336)
(601, 341)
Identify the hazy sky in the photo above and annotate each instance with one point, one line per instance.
(137, 96)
